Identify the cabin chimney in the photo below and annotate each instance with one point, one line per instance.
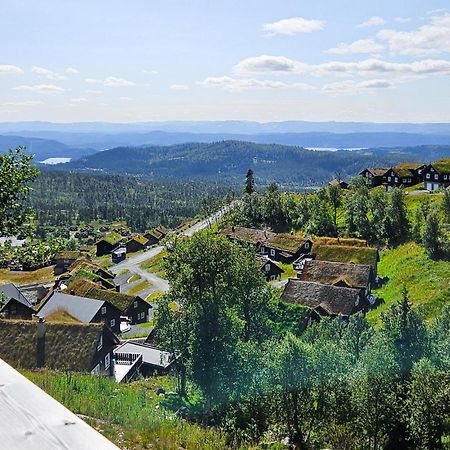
(232, 228)
(40, 343)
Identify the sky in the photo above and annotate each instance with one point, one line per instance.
(158, 60)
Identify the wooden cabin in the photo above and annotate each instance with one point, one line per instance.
(13, 304)
(108, 243)
(63, 260)
(403, 175)
(437, 175)
(136, 244)
(270, 270)
(73, 347)
(374, 176)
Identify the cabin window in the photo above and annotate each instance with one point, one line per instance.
(436, 176)
(135, 304)
(103, 309)
(396, 179)
(306, 245)
(100, 343)
(96, 370)
(107, 360)
(389, 178)
(113, 322)
(427, 176)
(267, 267)
(445, 177)
(272, 252)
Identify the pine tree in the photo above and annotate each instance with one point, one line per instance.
(249, 187)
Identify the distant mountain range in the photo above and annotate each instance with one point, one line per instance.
(43, 148)
(74, 140)
(227, 162)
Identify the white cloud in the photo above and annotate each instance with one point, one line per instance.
(354, 87)
(293, 26)
(430, 39)
(10, 69)
(72, 71)
(360, 46)
(40, 88)
(49, 74)
(269, 64)
(110, 82)
(94, 91)
(402, 19)
(242, 84)
(281, 65)
(179, 87)
(374, 21)
(79, 100)
(25, 103)
(150, 72)
(125, 99)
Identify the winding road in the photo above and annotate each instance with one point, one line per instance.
(133, 263)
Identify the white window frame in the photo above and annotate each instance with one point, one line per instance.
(396, 179)
(107, 361)
(427, 176)
(306, 245)
(267, 267)
(113, 322)
(100, 343)
(436, 176)
(135, 304)
(445, 177)
(103, 310)
(389, 178)
(272, 252)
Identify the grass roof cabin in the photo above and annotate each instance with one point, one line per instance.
(252, 236)
(136, 243)
(374, 176)
(325, 240)
(437, 175)
(134, 307)
(324, 299)
(107, 243)
(63, 260)
(286, 247)
(347, 254)
(83, 309)
(72, 347)
(356, 276)
(404, 175)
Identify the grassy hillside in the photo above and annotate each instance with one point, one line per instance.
(427, 281)
(132, 415)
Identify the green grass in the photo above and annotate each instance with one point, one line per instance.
(134, 278)
(44, 275)
(124, 272)
(154, 296)
(155, 265)
(427, 281)
(289, 271)
(139, 287)
(130, 415)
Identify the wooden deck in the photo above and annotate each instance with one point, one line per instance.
(32, 420)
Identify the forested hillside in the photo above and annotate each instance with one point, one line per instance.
(62, 199)
(226, 161)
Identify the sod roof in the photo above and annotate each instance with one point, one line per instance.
(112, 238)
(67, 255)
(407, 169)
(87, 265)
(250, 235)
(67, 346)
(442, 165)
(86, 288)
(341, 241)
(326, 272)
(376, 171)
(286, 242)
(347, 254)
(140, 239)
(333, 300)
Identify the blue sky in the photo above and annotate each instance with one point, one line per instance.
(139, 60)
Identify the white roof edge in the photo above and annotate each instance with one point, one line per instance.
(30, 419)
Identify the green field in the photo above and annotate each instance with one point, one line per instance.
(132, 415)
(427, 281)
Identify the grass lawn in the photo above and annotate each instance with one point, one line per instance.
(289, 271)
(124, 272)
(139, 287)
(155, 265)
(131, 415)
(427, 281)
(134, 278)
(44, 275)
(154, 296)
